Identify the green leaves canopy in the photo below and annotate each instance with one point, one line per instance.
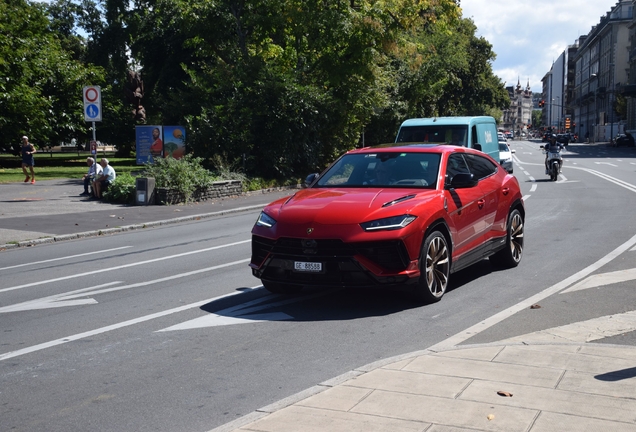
(40, 83)
(285, 85)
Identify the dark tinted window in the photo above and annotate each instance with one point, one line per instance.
(480, 166)
(456, 165)
(383, 169)
(442, 134)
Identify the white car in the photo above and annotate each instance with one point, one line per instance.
(505, 156)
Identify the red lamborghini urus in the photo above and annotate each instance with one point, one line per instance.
(391, 215)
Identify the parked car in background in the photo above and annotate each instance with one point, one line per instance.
(563, 139)
(624, 140)
(396, 215)
(505, 156)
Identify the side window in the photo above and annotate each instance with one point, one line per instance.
(456, 165)
(475, 137)
(480, 166)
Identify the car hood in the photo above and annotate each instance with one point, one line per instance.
(347, 206)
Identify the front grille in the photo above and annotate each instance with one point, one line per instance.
(337, 255)
(391, 255)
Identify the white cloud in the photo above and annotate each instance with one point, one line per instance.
(528, 36)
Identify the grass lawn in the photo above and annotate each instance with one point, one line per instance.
(59, 166)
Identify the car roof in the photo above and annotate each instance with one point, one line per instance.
(415, 148)
(446, 121)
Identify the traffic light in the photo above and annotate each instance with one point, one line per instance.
(541, 103)
(568, 122)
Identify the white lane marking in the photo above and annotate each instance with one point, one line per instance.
(58, 300)
(122, 266)
(533, 188)
(525, 197)
(582, 331)
(497, 318)
(611, 179)
(603, 279)
(112, 327)
(244, 313)
(83, 292)
(63, 258)
(605, 163)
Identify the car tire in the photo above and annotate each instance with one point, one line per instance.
(278, 288)
(510, 255)
(435, 262)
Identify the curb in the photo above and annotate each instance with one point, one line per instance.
(95, 233)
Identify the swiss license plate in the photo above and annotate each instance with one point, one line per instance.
(302, 266)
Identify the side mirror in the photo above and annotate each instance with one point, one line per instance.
(477, 146)
(513, 151)
(463, 180)
(310, 179)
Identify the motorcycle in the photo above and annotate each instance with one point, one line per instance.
(554, 161)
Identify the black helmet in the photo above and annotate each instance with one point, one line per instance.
(553, 136)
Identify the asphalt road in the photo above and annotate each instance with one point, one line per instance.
(165, 329)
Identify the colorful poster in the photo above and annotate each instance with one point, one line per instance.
(149, 143)
(174, 141)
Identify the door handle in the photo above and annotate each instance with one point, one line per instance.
(481, 202)
(505, 191)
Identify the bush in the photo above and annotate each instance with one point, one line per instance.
(184, 175)
(122, 190)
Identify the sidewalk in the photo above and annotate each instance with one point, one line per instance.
(515, 387)
(52, 210)
(525, 388)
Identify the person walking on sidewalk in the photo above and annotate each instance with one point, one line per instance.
(27, 159)
(94, 170)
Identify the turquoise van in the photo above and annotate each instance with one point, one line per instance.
(476, 132)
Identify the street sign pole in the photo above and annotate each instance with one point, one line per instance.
(92, 96)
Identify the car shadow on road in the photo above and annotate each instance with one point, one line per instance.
(326, 304)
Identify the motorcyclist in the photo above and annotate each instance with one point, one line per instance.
(552, 147)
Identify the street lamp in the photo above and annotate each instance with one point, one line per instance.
(595, 107)
(611, 105)
(558, 105)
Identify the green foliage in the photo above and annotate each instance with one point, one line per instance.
(40, 78)
(536, 118)
(122, 190)
(184, 175)
(282, 86)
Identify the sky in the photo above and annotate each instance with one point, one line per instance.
(528, 35)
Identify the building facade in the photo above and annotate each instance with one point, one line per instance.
(601, 67)
(518, 117)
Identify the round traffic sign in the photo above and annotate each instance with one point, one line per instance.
(91, 94)
(92, 111)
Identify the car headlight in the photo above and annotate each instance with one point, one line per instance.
(265, 220)
(391, 223)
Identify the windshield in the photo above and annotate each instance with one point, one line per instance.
(503, 147)
(383, 169)
(449, 134)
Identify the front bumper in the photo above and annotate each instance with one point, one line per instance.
(343, 264)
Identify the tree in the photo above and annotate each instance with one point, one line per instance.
(41, 84)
